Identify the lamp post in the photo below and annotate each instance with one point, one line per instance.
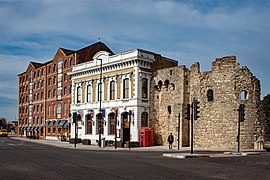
(99, 94)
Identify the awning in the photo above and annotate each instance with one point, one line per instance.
(34, 128)
(48, 123)
(29, 128)
(23, 128)
(39, 128)
(20, 128)
(55, 124)
(61, 123)
(65, 125)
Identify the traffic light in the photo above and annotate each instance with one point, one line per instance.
(74, 116)
(187, 112)
(242, 112)
(196, 109)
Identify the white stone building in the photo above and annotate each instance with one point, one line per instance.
(125, 88)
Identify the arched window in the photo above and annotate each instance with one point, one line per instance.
(145, 88)
(112, 123)
(166, 83)
(79, 94)
(88, 95)
(100, 127)
(210, 95)
(88, 120)
(49, 94)
(126, 88)
(144, 119)
(112, 90)
(243, 95)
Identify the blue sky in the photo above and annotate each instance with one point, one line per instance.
(188, 31)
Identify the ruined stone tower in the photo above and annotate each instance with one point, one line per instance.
(220, 92)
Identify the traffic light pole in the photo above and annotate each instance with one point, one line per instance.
(178, 131)
(238, 136)
(192, 121)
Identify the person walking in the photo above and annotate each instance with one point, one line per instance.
(170, 140)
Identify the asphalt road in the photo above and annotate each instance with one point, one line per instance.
(25, 160)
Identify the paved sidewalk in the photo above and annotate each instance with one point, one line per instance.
(184, 152)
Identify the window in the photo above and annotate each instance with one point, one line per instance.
(88, 119)
(54, 110)
(50, 69)
(59, 110)
(54, 68)
(112, 90)
(49, 94)
(145, 88)
(210, 95)
(38, 85)
(88, 93)
(144, 119)
(169, 109)
(243, 95)
(37, 108)
(70, 89)
(50, 81)
(38, 74)
(41, 108)
(65, 109)
(100, 127)
(112, 122)
(38, 96)
(41, 95)
(54, 93)
(79, 94)
(54, 80)
(99, 92)
(126, 88)
(49, 110)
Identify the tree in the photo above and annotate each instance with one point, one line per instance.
(3, 123)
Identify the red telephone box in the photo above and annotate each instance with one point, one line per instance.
(146, 137)
(151, 137)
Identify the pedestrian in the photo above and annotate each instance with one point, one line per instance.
(170, 140)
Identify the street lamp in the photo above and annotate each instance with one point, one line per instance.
(99, 94)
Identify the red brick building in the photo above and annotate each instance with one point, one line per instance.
(44, 93)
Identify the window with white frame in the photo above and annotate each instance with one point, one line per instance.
(88, 93)
(59, 110)
(112, 90)
(79, 94)
(144, 88)
(126, 88)
(99, 92)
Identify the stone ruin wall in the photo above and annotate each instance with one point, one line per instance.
(217, 126)
(168, 89)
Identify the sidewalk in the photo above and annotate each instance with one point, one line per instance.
(184, 152)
